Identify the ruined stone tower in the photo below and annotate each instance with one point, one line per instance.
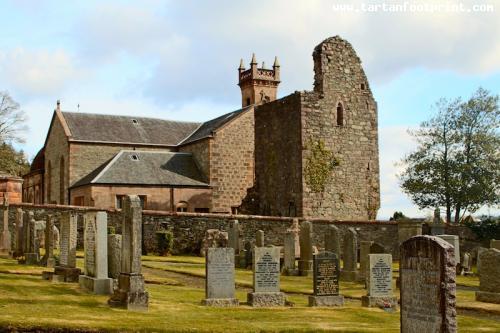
(258, 85)
(316, 152)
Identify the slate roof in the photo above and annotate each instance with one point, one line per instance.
(126, 129)
(134, 167)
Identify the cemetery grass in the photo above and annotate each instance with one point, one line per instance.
(28, 302)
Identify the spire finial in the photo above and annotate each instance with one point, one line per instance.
(263, 65)
(254, 61)
(58, 105)
(242, 67)
(276, 63)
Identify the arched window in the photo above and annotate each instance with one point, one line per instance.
(61, 181)
(340, 115)
(49, 182)
(182, 206)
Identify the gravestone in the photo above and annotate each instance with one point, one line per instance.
(478, 261)
(289, 267)
(379, 282)
(19, 250)
(495, 244)
(248, 254)
(259, 239)
(95, 278)
(408, 228)
(350, 268)
(489, 280)
(332, 240)
(213, 238)
(326, 273)
(364, 251)
(219, 281)
(234, 239)
(114, 255)
(455, 242)
(131, 293)
(266, 278)
(5, 241)
(48, 259)
(437, 226)
(32, 255)
(466, 264)
(306, 249)
(295, 230)
(427, 269)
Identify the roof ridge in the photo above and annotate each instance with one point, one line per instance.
(128, 116)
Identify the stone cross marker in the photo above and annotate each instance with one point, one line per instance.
(131, 292)
(350, 270)
(295, 230)
(427, 269)
(489, 281)
(219, 282)
(48, 259)
(379, 282)
(266, 278)
(259, 239)
(306, 250)
(332, 240)
(326, 273)
(289, 254)
(96, 254)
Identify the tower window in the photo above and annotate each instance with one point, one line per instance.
(362, 86)
(248, 101)
(340, 115)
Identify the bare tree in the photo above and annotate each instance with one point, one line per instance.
(12, 119)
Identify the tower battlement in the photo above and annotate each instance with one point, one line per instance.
(258, 85)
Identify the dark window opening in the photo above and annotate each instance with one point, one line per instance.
(340, 115)
(144, 200)
(248, 101)
(182, 207)
(235, 210)
(135, 121)
(134, 157)
(119, 201)
(202, 210)
(292, 210)
(362, 86)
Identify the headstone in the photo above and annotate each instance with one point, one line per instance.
(478, 262)
(437, 226)
(332, 240)
(234, 239)
(326, 273)
(455, 242)
(350, 268)
(248, 254)
(56, 235)
(32, 256)
(131, 292)
(489, 280)
(219, 282)
(364, 251)
(95, 246)
(289, 267)
(259, 239)
(427, 269)
(48, 259)
(466, 264)
(295, 230)
(114, 255)
(408, 228)
(26, 231)
(266, 278)
(495, 244)
(379, 282)
(19, 251)
(306, 249)
(5, 242)
(213, 238)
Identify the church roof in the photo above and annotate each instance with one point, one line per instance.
(127, 129)
(134, 167)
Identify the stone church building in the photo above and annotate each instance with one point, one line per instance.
(310, 154)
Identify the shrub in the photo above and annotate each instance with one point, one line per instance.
(165, 241)
(488, 228)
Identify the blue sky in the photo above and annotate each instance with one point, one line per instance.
(178, 59)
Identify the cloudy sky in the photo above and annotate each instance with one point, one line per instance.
(178, 59)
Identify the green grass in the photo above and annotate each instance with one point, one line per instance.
(27, 301)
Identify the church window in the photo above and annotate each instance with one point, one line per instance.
(182, 206)
(362, 86)
(340, 115)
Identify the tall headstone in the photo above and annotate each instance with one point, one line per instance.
(114, 255)
(489, 280)
(289, 254)
(48, 259)
(95, 246)
(455, 242)
(259, 239)
(32, 256)
(66, 271)
(495, 244)
(295, 230)
(332, 240)
(326, 273)
(364, 251)
(219, 281)
(350, 268)
(19, 250)
(131, 292)
(266, 278)
(466, 264)
(379, 282)
(427, 269)
(248, 254)
(234, 239)
(306, 249)
(26, 231)
(478, 261)
(5, 242)
(437, 226)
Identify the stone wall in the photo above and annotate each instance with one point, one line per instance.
(201, 154)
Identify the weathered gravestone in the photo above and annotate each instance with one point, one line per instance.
(131, 292)
(259, 239)
(455, 242)
(234, 239)
(19, 249)
(213, 238)
(266, 278)
(350, 268)
(248, 255)
(219, 281)
(32, 253)
(306, 249)
(332, 240)
(495, 244)
(48, 259)
(437, 226)
(489, 281)
(295, 230)
(114, 255)
(289, 267)
(478, 259)
(66, 271)
(95, 246)
(379, 282)
(364, 251)
(466, 264)
(5, 242)
(427, 269)
(326, 272)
